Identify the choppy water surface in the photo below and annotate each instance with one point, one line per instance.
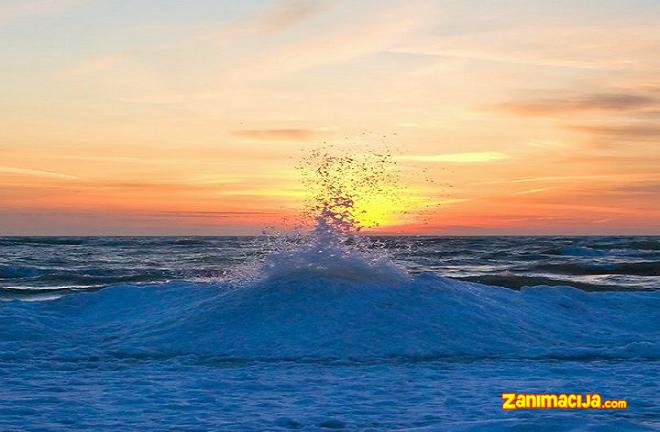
(114, 333)
(45, 265)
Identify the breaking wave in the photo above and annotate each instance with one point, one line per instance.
(330, 294)
(303, 315)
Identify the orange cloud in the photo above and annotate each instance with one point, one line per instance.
(97, 64)
(475, 157)
(633, 132)
(287, 14)
(595, 102)
(35, 173)
(277, 134)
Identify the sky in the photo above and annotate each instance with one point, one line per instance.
(165, 117)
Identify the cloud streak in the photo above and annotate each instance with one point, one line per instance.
(210, 214)
(276, 134)
(565, 46)
(476, 157)
(596, 102)
(632, 132)
(288, 14)
(97, 64)
(532, 191)
(371, 31)
(35, 173)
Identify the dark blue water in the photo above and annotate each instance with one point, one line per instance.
(224, 333)
(31, 265)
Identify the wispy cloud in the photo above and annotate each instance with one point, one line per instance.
(633, 132)
(650, 188)
(581, 178)
(35, 173)
(97, 64)
(374, 30)
(568, 105)
(475, 157)
(532, 191)
(580, 47)
(150, 187)
(450, 201)
(408, 124)
(210, 214)
(282, 16)
(287, 14)
(266, 192)
(277, 134)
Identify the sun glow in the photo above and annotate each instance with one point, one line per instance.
(354, 192)
(380, 210)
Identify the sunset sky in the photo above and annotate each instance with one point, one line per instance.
(131, 117)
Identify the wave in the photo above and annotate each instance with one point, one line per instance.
(647, 244)
(306, 317)
(331, 295)
(578, 251)
(16, 272)
(598, 251)
(43, 277)
(645, 268)
(43, 241)
(519, 282)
